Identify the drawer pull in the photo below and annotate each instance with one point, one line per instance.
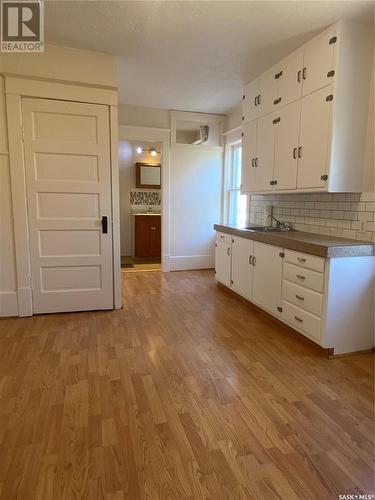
(301, 259)
(299, 276)
(299, 297)
(250, 260)
(298, 319)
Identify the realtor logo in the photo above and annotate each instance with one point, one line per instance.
(22, 26)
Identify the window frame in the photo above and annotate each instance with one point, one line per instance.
(229, 189)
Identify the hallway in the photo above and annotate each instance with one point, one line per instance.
(186, 393)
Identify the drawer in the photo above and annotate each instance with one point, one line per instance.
(304, 277)
(303, 297)
(224, 237)
(305, 260)
(302, 320)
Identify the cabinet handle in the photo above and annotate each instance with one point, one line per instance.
(259, 99)
(301, 259)
(299, 276)
(300, 151)
(298, 319)
(228, 251)
(256, 162)
(304, 73)
(253, 261)
(253, 162)
(250, 257)
(299, 297)
(104, 224)
(256, 100)
(295, 153)
(299, 75)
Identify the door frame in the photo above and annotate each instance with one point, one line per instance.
(17, 87)
(151, 134)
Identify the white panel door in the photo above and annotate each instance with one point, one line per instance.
(67, 158)
(315, 137)
(267, 275)
(242, 269)
(265, 153)
(286, 146)
(248, 158)
(250, 104)
(318, 61)
(222, 262)
(289, 78)
(267, 92)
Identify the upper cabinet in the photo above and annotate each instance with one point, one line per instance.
(317, 102)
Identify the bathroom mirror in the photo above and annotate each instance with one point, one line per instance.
(147, 175)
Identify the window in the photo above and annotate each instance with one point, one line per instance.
(236, 202)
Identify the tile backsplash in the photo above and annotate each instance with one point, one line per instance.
(349, 215)
(146, 197)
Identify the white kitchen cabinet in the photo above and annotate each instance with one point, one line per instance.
(286, 147)
(250, 99)
(223, 258)
(267, 93)
(242, 268)
(318, 61)
(249, 148)
(267, 276)
(313, 150)
(307, 292)
(264, 154)
(330, 78)
(289, 78)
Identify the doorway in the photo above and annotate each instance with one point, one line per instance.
(140, 164)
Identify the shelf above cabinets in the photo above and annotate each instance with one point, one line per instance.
(312, 98)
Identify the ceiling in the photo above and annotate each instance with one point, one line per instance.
(196, 55)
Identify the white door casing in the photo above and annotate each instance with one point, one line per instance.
(68, 184)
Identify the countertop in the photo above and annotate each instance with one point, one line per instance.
(314, 244)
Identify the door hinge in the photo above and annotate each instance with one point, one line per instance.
(241, 134)
(333, 40)
(273, 183)
(277, 101)
(280, 309)
(329, 97)
(231, 282)
(324, 177)
(243, 118)
(276, 120)
(23, 132)
(277, 76)
(331, 73)
(215, 244)
(282, 254)
(232, 240)
(243, 96)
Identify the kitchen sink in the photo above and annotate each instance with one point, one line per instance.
(265, 229)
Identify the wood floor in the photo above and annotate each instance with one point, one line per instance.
(186, 393)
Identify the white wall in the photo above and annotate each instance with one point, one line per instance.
(196, 175)
(142, 116)
(127, 159)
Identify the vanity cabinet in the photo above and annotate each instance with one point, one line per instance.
(307, 292)
(319, 116)
(147, 236)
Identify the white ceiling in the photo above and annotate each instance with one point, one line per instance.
(192, 55)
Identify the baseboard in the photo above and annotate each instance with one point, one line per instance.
(186, 262)
(8, 304)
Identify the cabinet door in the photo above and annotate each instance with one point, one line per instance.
(286, 146)
(267, 92)
(242, 269)
(155, 236)
(267, 274)
(249, 102)
(318, 60)
(289, 78)
(265, 153)
(222, 262)
(249, 144)
(315, 138)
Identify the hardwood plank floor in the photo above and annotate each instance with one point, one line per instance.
(186, 393)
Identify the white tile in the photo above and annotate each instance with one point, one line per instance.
(368, 197)
(370, 206)
(364, 235)
(352, 196)
(349, 233)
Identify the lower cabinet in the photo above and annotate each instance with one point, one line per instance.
(223, 258)
(242, 266)
(309, 293)
(267, 277)
(147, 236)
